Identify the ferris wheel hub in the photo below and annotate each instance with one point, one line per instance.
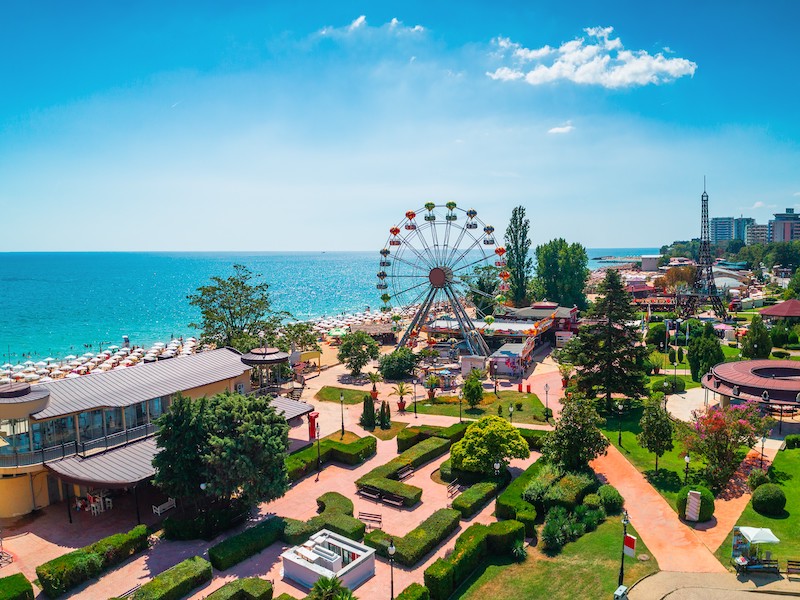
(440, 277)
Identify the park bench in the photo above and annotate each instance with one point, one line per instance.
(764, 566)
(405, 473)
(371, 519)
(453, 488)
(392, 499)
(130, 592)
(162, 508)
(369, 492)
(793, 567)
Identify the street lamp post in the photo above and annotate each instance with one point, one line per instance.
(763, 441)
(341, 403)
(546, 402)
(460, 399)
(687, 460)
(391, 550)
(675, 377)
(666, 387)
(497, 477)
(511, 413)
(619, 415)
(318, 454)
(415, 399)
(622, 556)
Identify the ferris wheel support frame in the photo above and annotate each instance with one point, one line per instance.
(469, 332)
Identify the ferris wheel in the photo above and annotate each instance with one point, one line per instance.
(423, 267)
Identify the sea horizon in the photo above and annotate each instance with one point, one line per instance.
(59, 303)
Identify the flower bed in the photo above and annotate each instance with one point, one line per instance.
(61, 574)
(413, 546)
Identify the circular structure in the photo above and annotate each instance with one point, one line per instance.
(262, 357)
(768, 381)
(432, 262)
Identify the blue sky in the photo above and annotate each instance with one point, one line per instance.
(316, 125)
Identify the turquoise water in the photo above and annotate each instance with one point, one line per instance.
(62, 303)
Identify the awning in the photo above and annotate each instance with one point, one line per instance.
(310, 355)
(758, 535)
(118, 468)
(290, 409)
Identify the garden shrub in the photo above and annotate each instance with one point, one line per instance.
(592, 501)
(176, 582)
(15, 587)
(236, 548)
(285, 596)
(780, 354)
(569, 490)
(474, 498)
(415, 434)
(471, 548)
(304, 461)
(206, 525)
(789, 346)
(756, 478)
(511, 504)
(448, 473)
(706, 502)
(611, 499)
(61, 574)
(792, 440)
(676, 386)
(414, 592)
(384, 477)
(249, 588)
(418, 542)
(534, 437)
(769, 499)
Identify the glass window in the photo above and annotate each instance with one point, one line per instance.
(91, 425)
(47, 434)
(15, 434)
(136, 415)
(155, 409)
(113, 420)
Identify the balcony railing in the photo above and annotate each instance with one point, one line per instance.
(84, 449)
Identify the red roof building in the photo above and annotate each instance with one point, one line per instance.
(784, 310)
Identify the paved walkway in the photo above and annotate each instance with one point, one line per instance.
(712, 586)
(674, 545)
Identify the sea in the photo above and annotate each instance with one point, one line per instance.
(54, 304)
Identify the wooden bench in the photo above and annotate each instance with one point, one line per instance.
(793, 567)
(453, 488)
(369, 492)
(130, 592)
(371, 519)
(764, 566)
(392, 499)
(405, 473)
(162, 508)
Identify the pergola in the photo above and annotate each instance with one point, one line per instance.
(265, 359)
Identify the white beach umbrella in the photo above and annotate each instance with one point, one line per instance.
(28, 363)
(31, 377)
(7, 366)
(5, 380)
(45, 380)
(42, 371)
(49, 359)
(113, 347)
(72, 375)
(70, 357)
(29, 369)
(41, 363)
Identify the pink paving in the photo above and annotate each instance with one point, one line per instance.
(675, 546)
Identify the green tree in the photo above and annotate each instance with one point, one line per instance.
(704, 352)
(680, 354)
(326, 588)
(367, 419)
(520, 264)
(793, 289)
(482, 287)
(181, 441)
(473, 391)
(657, 429)
(756, 343)
(385, 416)
(401, 390)
(656, 335)
(606, 353)
(236, 311)
(576, 438)
(246, 454)
(486, 441)
(374, 378)
(300, 336)
(398, 364)
(356, 350)
(779, 333)
(562, 270)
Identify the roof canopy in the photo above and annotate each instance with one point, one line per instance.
(789, 308)
(121, 467)
(262, 357)
(758, 535)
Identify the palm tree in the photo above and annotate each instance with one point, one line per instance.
(345, 595)
(402, 389)
(432, 382)
(374, 377)
(327, 588)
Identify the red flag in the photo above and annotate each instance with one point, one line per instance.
(630, 544)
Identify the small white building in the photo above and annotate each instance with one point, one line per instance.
(328, 554)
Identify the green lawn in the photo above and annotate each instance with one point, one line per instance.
(387, 434)
(731, 354)
(532, 408)
(671, 466)
(659, 380)
(786, 471)
(330, 393)
(586, 568)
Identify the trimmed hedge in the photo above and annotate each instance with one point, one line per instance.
(414, 592)
(706, 502)
(474, 498)
(176, 582)
(384, 477)
(285, 596)
(250, 588)
(418, 542)
(303, 462)
(70, 570)
(472, 547)
(792, 440)
(534, 437)
(769, 499)
(676, 385)
(611, 499)
(245, 544)
(511, 504)
(207, 525)
(17, 587)
(410, 436)
(448, 473)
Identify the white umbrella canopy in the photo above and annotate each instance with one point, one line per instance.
(113, 347)
(41, 363)
(7, 366)
(70, 357)
(29, 363)
(759, 535)
(49, 359)
(17, 367)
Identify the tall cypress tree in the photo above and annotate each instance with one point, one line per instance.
(367, 420)
(520, 264)
(607, 352)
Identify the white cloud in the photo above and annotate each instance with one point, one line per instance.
(757, 204)
(360, 26)
(565, 128)
(600, 61)
(796, 194)
(359, 22)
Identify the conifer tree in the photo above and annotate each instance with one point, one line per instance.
(756, 343)
(386, 419)
(520, 264)
(607, 354)
(367, 419)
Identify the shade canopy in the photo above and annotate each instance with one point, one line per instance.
(260, 357)
(783, 310)
(758, 535)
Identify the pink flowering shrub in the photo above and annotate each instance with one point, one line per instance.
(719, 434)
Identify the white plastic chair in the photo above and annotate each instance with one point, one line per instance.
(109, 502)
